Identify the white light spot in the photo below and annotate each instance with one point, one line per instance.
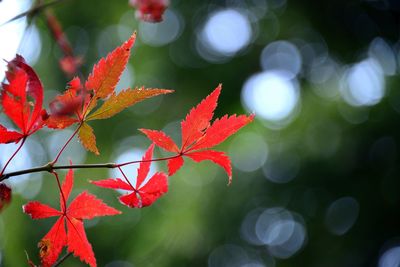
(226, 32)
(281, 231)
(130, 171)
(341, 215)
(282, 56)
(13, 31)
(126, 80)
(271, 95)
(247, 229)
(292, 245)
(165, 32)
(384, 55)
(363, 84)
(391, 258)
(30, 155)
(31, 45)
(274, 226)
(74, 151)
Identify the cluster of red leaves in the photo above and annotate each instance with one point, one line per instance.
(143, 194)
(198, 135)
(68, 230)
(22, 100)
(150, 10)
(78, 102)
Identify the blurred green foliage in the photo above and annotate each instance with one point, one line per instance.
(200, 221)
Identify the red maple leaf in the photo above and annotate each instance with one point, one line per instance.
(143, 194)
(84, 206)
(150, 10)
(22, 100)
(78, 103)
(198, 135)
(5, 195)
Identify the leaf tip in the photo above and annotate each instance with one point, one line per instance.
(229, 180)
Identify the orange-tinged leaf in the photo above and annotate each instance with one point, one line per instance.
(126, 98)
(199, 118)
(60, 122)
(87, 138)
(107, 72)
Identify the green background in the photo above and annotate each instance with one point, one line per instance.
(200, 221)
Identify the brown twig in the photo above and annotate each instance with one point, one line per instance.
(49, 167)
(34, 10)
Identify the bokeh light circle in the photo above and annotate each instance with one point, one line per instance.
(272, 95)
(363, 84)
(226, 32)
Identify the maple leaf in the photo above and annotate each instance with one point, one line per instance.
(150, 10)
(79, 100)
(5, 195)
(22, 100)
(68, 230)
(143, 194)
(198, 135)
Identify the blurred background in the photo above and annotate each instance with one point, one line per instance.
(316, 177)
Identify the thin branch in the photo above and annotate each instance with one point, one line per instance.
(34, 10)
(50, 168)
(62, 259)
(13, 155)
(65, 145)
(126, 178)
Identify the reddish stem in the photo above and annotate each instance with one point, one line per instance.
(149, 160)
(65, 145)
(126, 178)
(61, 192)
(13, 155)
